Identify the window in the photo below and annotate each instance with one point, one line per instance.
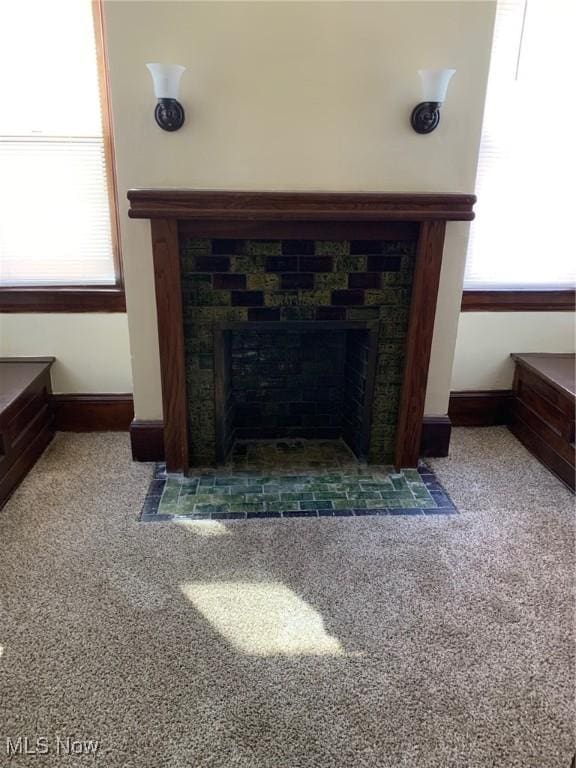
(522, 236)
(57, 203)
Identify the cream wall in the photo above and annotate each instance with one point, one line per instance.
(294, 96)
(92, 350)
(486, 339)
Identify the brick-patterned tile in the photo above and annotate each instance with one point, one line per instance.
(282, 264)
(364, 247)
(331, 313)
(247, 298)
(229, 280)
(298, 247)
(224, 247)
(212, 264)
(316, 263)
(383, 263)
(347, 298)
(297, 280)
(364, 280)
(263, 314)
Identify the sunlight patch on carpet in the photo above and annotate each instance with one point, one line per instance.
(203, 527)
(263, 619)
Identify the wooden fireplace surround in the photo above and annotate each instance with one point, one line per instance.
(301, 215)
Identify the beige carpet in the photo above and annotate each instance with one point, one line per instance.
(398, 642)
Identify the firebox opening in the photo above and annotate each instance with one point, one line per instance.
(294, 380)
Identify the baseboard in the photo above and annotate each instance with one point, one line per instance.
(480, 409)
(435, 441)
(93, 413)
(147, 440)
(110, 412)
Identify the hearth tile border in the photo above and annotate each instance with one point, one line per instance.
(152, 504)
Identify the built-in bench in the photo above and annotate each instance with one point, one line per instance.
(26, 420)
(543, 409)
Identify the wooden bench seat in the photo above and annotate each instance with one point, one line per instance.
(26, 421)
(543, 410)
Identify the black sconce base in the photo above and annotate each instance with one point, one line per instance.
(169, 114)
(425, 116)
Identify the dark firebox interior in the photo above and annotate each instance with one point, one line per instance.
(295, 382)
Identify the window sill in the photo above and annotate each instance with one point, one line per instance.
(518, 301)
(62, 300)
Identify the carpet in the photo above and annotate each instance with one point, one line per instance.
(392, 642)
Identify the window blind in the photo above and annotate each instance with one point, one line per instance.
(521, 236)
(55, 226)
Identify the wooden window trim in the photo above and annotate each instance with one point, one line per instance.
(519, 301)
(72, 299)
(83, 298)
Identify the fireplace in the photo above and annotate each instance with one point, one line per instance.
(295, 315)
(287, 317)
(312, 380)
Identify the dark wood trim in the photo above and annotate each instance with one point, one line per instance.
(535, 364)
(62, 300)
(480, 408)
(26, 419)
(419, 342)
(519, 301)
(147, 440)
(171, 337)
(436, 432)
(25, 460)
(93, 412)
(302, 206)
(537, 446)
(251, 229)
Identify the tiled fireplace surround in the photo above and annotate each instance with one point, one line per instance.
(295, 315)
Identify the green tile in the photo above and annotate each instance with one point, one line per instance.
(204, 508)
(248, 264)
(330, 280)
(332, 247)
(364, 494)
(247, 507)
(282, 506)
(280, 298)
(186, 504)
(263, 281)
(344, 263)
(263, 247)
(343, 504)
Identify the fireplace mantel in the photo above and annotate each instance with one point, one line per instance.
(300, 206)
(213, 214)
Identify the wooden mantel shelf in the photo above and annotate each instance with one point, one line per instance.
(300, 206)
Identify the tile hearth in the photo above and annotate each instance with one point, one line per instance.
(297, 478)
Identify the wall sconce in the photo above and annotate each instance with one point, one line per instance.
(169, 113)
(426, 115)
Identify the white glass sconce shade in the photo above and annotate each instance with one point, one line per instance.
(166, 79)
(169, 113)
(426, 115)
(435, 83)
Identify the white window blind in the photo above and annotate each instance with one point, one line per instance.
(55, 226)
(522, 236)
